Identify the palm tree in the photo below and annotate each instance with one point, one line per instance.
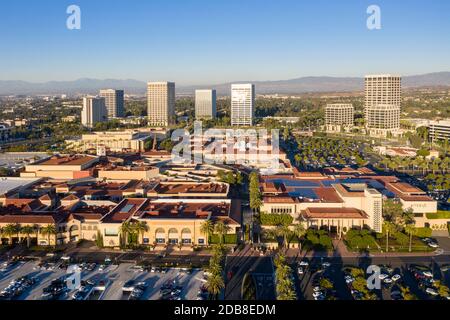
(407, 217)
(207, 228)
(215, 284)
(388, 228)
(214, 267)
(411, 230)
(48, 231)
(141, 228)
(222, 229)
(9, 230)
(284, 232)
(27, 230)
(299, 231)
(126, 228)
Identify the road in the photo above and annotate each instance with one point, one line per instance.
(247, 261)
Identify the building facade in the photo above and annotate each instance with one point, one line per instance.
(242, 104)
(94, 110)
(439, 130)
(161, 103)
(382, 106)
(114, 102)
(205, 104)
(115, 141)
(383, 119)
(339, 116)
(383, 89)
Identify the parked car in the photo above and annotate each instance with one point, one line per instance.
(303, 263)
(396, 277)
(431, 291)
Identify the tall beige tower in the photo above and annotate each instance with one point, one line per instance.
(161, 103)
(382, 106)
(94, 110)
(114, 102)
(205, 104)
(242, 104)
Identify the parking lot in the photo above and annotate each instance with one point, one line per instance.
(105, 282)
(334, 279)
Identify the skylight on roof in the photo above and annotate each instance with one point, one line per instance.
(127, 208)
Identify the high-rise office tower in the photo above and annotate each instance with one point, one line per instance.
(382, 106)
(383, 89)
(94, 110)
(242, 104)
(161, 103)
(205, 104)
(114, 102)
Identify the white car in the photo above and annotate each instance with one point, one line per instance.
(317, 289)
(349, 279)
(317, 294)
(300, 270)
(427, 274)
(387, 280)
(303, 263)
(433, 245)
(383, 276)
(431, 291)
(326, 264)
(396, 277)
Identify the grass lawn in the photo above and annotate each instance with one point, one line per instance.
(394, 246)
(440, 214)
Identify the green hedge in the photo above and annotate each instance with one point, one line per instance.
(273, 219)
(228, 239)
(424, 232)
(439, 215)
(360, 239)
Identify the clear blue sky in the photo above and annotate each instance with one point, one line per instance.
(213, 41)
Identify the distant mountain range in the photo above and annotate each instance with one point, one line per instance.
(292, 86)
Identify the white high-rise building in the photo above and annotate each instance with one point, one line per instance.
(242, 104)
(205, 104)
(94, 110)
(382, 106)
(161, 103)
(114, 102)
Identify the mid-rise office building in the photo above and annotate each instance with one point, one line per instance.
(339, 116)
(94, 110)
(205, 104)
(439, 130)
(383, 119)
(242, 104)
(114, 102)
(161, 103)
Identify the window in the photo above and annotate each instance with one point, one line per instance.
(201, 241)
(160, 240)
